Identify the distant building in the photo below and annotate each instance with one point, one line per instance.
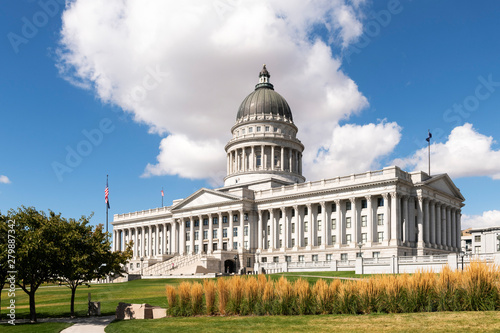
(266, 212)
(481, 240)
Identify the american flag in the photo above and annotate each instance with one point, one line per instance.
(106, 194)
(162, 193)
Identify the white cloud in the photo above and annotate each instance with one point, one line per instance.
(4, 179)
(183, 68)
(490, 218)
(353, 149)
(467, 153)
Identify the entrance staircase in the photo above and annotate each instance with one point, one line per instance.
(190, 264)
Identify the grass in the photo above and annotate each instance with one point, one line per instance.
(38, 328)
(428, 322)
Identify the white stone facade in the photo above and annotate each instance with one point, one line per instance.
(267, 213)
(481, 240)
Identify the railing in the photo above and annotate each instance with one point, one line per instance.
(423, 259)
(171, 264)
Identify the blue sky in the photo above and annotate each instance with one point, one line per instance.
(160, 101)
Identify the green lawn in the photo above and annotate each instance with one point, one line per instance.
(38, 328)
(413, 322)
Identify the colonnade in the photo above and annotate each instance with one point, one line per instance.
(264, 157)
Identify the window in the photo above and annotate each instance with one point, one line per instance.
(376, 254)
(243, 131)
(319, 209)
(196, 235)
(196, 249)
(348, 205)
(205, 234)
(347, 222)
(224, 219)
(364, 203)
(329, 257)
(196, 223)
(380, 235)
(359, 255)
(214, 246)
(306, 241)
(224, 246)
(380, 202)
(477, 249)
(188, 224)
(268, 229)
(214, 235)
(293, 212)
(249, 262)
(138, 265)
(306, 211)
(276, 259)
(267, 128)
(250, 129)
(348, 238)
(281, 229)
(334, 207)
(301, 258)
(380, 219)
(363, 221)
(205, 221)
(334, 224)
(281, 243)
(477, 238)
(334, 239)
(319, 225)
(314, 257)
(245, 231)
(363, 237)
(245, 245)
(235, 218)
(224, 232)
(288, 258)
(188, 236)
(245, 217)
(235, 245)
(343, 256)
(264, 259)
(293, 228)
(319, 240)
(215, 220)
(293, 242)
(235, 231)
(276, 129)
(306, 227)
(131, 266)
(258, 128)
(281, 214)
(259, 159)
(268, 244)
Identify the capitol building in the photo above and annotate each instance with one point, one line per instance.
(266, 212)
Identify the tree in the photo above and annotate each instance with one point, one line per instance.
(3, 254)
(38, 244)
(86, 255)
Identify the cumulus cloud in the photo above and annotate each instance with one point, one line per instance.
(352, 149)
(4, 179)
(467, 153)
(490, 218)
(183, 68)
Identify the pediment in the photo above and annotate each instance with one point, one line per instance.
(443, 183)
(204, 197)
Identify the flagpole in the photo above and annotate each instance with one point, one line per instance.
(429, 149)
(107, 206)
(162, 196)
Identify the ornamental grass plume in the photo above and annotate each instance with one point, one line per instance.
(185, 308)
(481, 287)
(285, 296)
(171, 299)
(268, 297)
(196, 298)
(222, 295)
(304, 296)
(236, 285)
(324, 297)
(251, 295)
(209, 288)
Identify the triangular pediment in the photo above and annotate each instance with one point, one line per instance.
(443, 183)
(204, 197)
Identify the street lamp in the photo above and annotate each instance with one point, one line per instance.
(142, 260)
(360, 245)
(235, 263)
(462, 255)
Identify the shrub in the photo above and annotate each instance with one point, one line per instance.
(185, 299)
(304, 296)
(196, 298)
(171, 299)
(222, 295)
(209, 288)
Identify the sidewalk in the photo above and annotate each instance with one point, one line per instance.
(88, 324)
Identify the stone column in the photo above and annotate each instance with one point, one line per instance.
(340, 226)
(356, 237)
(459, 226)
(453, 229)
(200, 234)
(300, 227)
(191, 235)
(259, 232)
(230, 231)
(448, 227)
(395, 218)
(221, 235)
(282, 162)
(142, 247)
(210, 233)
(420, 222)
(426, 218)
(324, 223)
(443, 226)
(432, 218)
(155, 246)
(387, 218)
(438, 224)
(297, 223)
(285, 227)
(241, 229)
(290, 159)
(174, 237)
(262, 161)
(369, 219)
(252, 164)
(272, 234)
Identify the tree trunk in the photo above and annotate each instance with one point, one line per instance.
(73, 291)
(1, 287)
(32, 305)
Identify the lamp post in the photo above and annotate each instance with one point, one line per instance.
(462, 255)
(235, 263)
(360, 245)
(142, 260)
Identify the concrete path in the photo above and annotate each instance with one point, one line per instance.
(88, 325)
